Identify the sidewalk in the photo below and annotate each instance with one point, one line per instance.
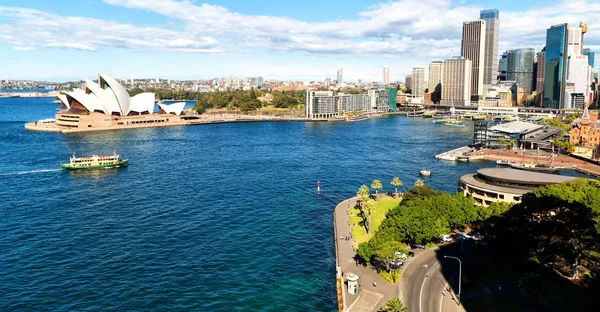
(369, 297)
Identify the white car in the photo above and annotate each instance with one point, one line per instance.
(446, 238)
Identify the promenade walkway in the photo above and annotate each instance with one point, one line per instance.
(369, 297)
(414, 275)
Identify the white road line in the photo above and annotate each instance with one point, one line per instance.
(400, 294)
(423, 285)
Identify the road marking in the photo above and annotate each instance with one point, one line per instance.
(400, 294)
(423, 285)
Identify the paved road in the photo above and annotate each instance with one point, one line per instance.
(423, 284)
(375, 297)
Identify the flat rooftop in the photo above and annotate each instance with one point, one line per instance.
(516, 127)
(523, 176)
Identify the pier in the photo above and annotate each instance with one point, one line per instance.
(459, 154)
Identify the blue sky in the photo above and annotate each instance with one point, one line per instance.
(303, 40)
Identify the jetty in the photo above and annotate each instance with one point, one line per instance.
(458, 154)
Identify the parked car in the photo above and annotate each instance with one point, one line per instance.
(460, 236)
(417, 246)
(475, 235)
(411, 254)
(445, 238)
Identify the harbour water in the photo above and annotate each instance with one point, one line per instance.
(221, 217)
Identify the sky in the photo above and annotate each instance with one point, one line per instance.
(305, 40)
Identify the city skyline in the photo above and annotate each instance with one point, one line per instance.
(191, 40)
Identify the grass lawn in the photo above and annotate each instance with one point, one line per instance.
(382, 206)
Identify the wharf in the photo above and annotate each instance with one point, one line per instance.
(459, 154)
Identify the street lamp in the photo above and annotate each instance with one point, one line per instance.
(459, 274)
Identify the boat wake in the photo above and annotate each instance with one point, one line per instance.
(29, 172)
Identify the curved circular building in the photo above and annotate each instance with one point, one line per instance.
(490, 185)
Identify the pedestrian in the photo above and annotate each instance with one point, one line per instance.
(374, 284)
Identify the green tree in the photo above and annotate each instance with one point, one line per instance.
(135, 91)
(368, 208)
(396, 183)
(395, 305)
(419, 183)
(531, 287)
(376, 185)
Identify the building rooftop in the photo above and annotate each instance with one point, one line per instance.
(516, 127)
(523, 176)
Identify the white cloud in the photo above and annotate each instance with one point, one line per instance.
(412, 31)
(19, 48)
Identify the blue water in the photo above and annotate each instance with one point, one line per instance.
(220, 217)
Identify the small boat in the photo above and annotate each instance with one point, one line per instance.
(479, 117)
(503, 162)
(425, 173)
(429, 113)
(449, 122)
(95, 162)
(8, 96)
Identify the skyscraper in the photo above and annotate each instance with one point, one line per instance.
(502, 66)
(386, 75)
(339, 76)
(520, 68)
(418, 81)
(539, 79)
(492, 35)
(435, 75)
(562, 42)
(408, 82)
(590, 56)
(473, 48)
(456, 81)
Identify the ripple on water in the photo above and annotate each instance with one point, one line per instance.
(210, 218)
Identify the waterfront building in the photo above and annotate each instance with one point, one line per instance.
(380, 100)
(473, 48)
(497, 96)
(393, 93)
(456, 81)
(354, 102)
(107, 105)
(520, 68)
(492, 35)
(491, 134)
(435, 75)
(386, 76)
(340, 77)
(408, 82)
(418, 81)
(328, 104)
(502, 66)
(586, 131)
(321, 104)
(507, 185)
(562, 42)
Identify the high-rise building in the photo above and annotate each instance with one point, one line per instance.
(473, 48)
(492, 35)
(590, 55)
(418, 81)
(562, 42)
(579, 72)
(539, 79)
(456, 81)
(435, 75)
(339, 76)
(502, 66)
(520, 68)
(408, 82)
(386, 76)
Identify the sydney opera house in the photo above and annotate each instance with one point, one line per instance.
(106, 105)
